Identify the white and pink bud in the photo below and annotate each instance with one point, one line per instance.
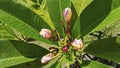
(67, 13)
(77, 44)
(46, 58)
(46, 33)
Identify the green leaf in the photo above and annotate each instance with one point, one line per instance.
(16, 52)
(74, 17)
(10, 30)
(55, 9)
(34, 64)
(80, 5)
(23, 13)
(22, 19)
(4, 34)
(21, 26)
(40, 9)
(93, 15)
(111, 18)
(108, 48)
(53, 63)
(76, 29)
(93, 64)
(97, 15)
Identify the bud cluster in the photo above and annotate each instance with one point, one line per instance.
(67, 43)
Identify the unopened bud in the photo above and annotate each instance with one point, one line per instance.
(46, 33)
(67, 13)
(65, 49)
(77, 44)
(46, 58)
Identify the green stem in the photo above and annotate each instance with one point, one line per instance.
(67, 65)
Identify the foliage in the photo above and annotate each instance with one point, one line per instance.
(21, 45)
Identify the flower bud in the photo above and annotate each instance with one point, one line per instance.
(46, 58)
(46, 33)
(67, 13)
(77, 44)
(65, 49)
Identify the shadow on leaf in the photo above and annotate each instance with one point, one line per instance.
(29, 50)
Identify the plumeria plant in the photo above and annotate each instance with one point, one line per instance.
(66, 47)
(59, 33)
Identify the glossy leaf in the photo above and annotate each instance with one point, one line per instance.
(53, 63)
(93, 64)
(23, 13)
(55, 9)
(93, 15)
(76, 29)
(80, 5)
(17, 52)
(111, 18)
(97, 15)
(22, 19)
(108, 48)
(74, 17)
(34, 64)
(4, 34)
(38, 7)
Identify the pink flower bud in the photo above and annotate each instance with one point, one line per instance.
(77, 44)
(65, 49)
(46, 33)
(67, 13)
(46, 58)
